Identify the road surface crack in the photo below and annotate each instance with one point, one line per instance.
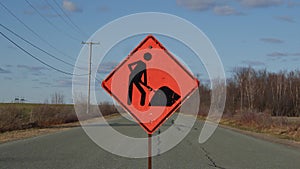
(213, 163)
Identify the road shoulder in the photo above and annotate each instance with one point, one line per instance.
(264, 136)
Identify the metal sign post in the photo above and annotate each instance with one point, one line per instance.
(149, 151)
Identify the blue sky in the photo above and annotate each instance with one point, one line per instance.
(259, 33)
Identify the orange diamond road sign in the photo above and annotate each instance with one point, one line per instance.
(150, 84)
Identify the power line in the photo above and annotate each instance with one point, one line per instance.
(32, 31)
(36, 46)
(98, 80)
(50, 23)
(63, 18)
(67, 16)
(57, 13)
(36, 58)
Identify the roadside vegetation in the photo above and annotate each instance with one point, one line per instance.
(280, 126)
(19, 116)
(23, 116)
(260, 101)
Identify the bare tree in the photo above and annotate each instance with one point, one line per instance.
(260, 91)
(57, 98)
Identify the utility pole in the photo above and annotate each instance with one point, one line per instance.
(89, 71)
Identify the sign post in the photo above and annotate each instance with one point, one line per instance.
(149, 151)
(150, 84)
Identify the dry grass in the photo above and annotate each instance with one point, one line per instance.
(25, 116)
(22, 134)
(33, 132)
(18, 121)
(12, 118)
(47, 115)
(281, 127)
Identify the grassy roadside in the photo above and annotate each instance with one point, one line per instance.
(19, 121)
(26, 116)
(33, 132)
(27, 133)
(283, 132)
(287, 128)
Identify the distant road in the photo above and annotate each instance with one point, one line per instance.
(73, 149)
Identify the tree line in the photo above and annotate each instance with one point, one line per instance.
(259, 91)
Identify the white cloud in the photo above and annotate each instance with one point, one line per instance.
(32, 68)
(103, 9)
(295, 54)
(285, 18)
(260, 3)
(218, 7)
(277, 54)
(293, 4)
(63, 83)
(282, 54)
(271, 40)
(71, 6)
(198, 5)
(225, 10)
(4, 71)
(253, 63)
(107, 67)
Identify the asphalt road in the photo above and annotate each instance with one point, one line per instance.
(73, 149)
